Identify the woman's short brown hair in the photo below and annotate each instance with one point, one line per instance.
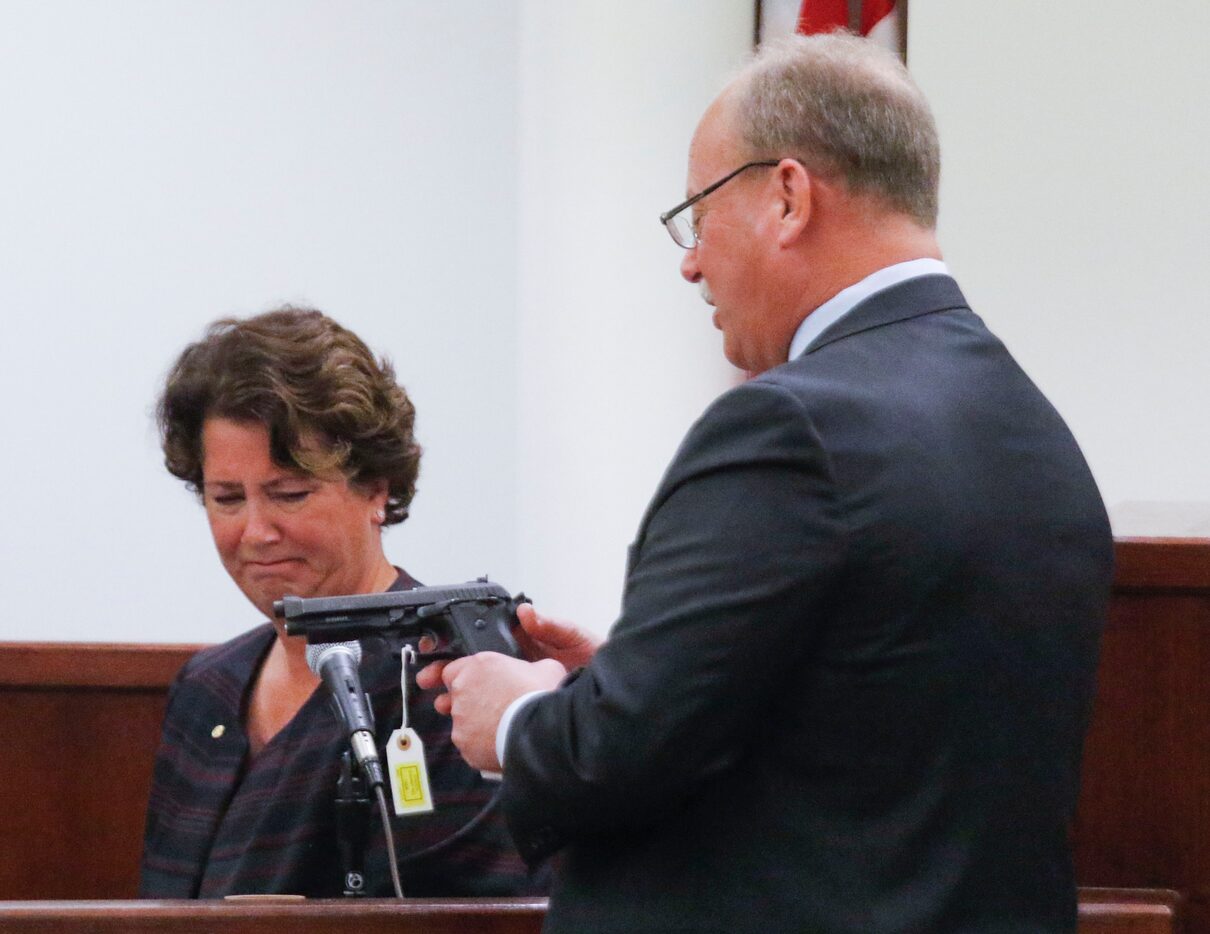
(327, 403)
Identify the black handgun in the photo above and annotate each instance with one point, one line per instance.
(446, 622)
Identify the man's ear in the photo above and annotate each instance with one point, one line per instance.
(796, 192)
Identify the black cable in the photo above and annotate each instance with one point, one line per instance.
(386, 826)
(461, 832)
(437, 847)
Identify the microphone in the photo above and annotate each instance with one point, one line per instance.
(336, 663)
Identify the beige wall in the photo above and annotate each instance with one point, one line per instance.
(1076, 214)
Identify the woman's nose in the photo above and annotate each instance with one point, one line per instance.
(260, 525)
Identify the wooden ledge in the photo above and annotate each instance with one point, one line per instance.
(91, 664)
(327, 916)
(1129, 911)
(1162, 564)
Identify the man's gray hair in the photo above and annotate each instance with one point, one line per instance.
(843, 106)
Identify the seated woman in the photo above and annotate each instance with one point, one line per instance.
(300, 446)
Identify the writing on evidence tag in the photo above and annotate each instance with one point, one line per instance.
(408, 773)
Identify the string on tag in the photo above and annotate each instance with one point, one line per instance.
(406, 657)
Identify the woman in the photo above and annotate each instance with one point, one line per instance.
(299, 444)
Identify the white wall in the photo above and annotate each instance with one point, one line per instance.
(178, 162)
(618, 353)
(1075, 209)
(1076, 214)
(163, 164)
(473, 187)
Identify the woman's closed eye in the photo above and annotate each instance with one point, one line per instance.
(289, 497)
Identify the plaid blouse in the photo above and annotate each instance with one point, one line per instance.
(220, 823)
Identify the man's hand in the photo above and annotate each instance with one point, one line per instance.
(480, 687)
(542, 637)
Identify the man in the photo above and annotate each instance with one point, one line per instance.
(851, 676)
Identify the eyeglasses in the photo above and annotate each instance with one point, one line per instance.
(681, 226)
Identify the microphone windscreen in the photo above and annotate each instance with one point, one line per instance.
(316, 654)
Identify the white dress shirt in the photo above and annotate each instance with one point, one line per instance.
(846, 300)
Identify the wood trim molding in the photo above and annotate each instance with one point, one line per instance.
(1181, 564)
(271, 916)
(1162, 564)
(91, 664)
(1109, 910)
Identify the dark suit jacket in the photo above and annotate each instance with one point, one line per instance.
(851, 677)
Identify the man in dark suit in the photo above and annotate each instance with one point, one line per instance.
(849, 684)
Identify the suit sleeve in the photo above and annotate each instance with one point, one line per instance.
(735, 558)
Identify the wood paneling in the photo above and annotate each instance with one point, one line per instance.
(1144, 810)
(79, 725)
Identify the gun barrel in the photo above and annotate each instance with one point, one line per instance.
(292, 607)
(334, 619)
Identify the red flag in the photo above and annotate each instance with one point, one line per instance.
(878, 19)
(823, 15)
(873, 12)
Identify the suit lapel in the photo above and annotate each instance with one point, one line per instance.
(924, 295)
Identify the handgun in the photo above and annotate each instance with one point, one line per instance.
(446, 622)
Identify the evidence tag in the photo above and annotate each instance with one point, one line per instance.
(408, 773)
(406, 767)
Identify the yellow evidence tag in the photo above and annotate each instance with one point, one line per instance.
(408, 773)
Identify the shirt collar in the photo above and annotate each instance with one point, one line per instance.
(846, 300)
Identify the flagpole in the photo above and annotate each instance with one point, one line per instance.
(855, 16)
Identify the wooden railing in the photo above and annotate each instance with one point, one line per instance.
(1102, 911)
(365, 916)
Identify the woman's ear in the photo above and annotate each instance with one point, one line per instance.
(376, 492)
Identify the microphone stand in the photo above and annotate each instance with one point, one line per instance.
(353, 811)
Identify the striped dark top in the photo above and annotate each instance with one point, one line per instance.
(219, 823)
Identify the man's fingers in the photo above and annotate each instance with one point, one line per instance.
(543, 628)
(547, 674)
(429, 676)
(450, 669)
(441, 674)
(531, 625)
(553, 633)
(443, 704)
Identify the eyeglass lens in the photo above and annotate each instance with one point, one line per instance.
(680, 225)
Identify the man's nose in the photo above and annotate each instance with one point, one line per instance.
(689, 267)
